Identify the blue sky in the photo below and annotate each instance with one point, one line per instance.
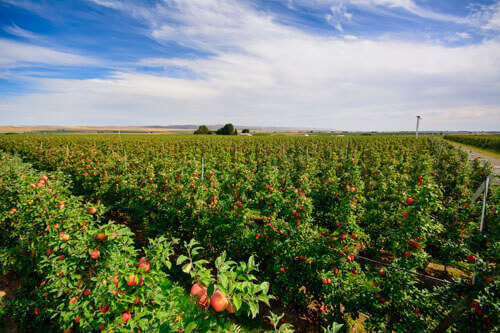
(338, 64)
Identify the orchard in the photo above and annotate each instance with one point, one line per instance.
(165, 233)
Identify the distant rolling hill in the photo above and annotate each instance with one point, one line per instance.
(142, 129)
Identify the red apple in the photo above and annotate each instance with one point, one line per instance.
(202, 299)
(145, 265)
(95, 254)
(231, 308)
(126, 316)
(132, 280)
(197, 289)
(101, 236)
(104, 309)
(218, 301)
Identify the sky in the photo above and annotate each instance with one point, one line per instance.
(333, 64)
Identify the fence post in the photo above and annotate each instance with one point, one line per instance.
(484, 203)
(481, 225)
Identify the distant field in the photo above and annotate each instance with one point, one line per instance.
(489, 142)
(89, 129)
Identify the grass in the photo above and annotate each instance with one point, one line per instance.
(489, 152)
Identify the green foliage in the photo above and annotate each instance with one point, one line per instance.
(307, 209)
(76, 272)
(482, 141)
(203, 129)
(277, 326)
(227, 129)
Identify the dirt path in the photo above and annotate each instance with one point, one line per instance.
(473, 154)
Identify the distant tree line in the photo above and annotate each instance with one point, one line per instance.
(227, 129)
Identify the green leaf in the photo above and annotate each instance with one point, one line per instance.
(210, 289)
(186, 268)
(251, 262)
(223, 281)
(264, 286)
(181, 259)
(254, 308)
(237, 302)
(264, 298)
(190, 327)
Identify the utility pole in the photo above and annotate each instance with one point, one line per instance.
(418, 124)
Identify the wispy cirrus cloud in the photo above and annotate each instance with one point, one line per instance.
(488, 16)
(261, 72)
(250, 68)
(20, 32)
(19, 54)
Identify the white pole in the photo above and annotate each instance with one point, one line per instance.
(125, 158)
(67, 151)
(418, 124)
(482, 216)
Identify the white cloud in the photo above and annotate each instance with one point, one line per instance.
(463, 35)
(381, 7)
(493, 18)
(20, 32)
(17, 54)
(264, 73)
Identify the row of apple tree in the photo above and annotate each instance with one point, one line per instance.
(306, 208)
(74, 272)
